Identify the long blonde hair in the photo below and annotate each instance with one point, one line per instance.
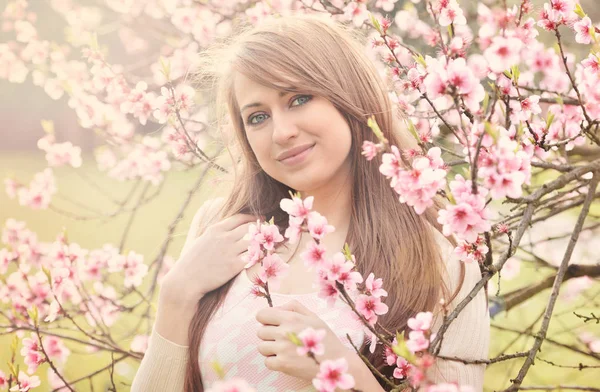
(316, 56)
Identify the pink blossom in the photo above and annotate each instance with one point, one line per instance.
(333, 374)
(317, 225)
(3, 380)
(356, 12)
(370, 149)
(26, 382)
(392, 165)
(350, 278)
(583, 29)
(574, 287)
(272, 270)
(32, 353)
(311, 341)
(374, 286)
(297, 207)
(370, 307)
(402, 369)
(135, 269)
(523, 110)
(58, 154)
(469, 216)
(254, 254)
(591, 64)
(328, 290)
(139, 343)
(550, 18)
(461, 77)
(56, 349)
(294, 230)
(451, 14)
(386, 5)
(314, 255)
(418, 186)
(268, 236)
(503, 53)
(337, 265)
(53, 311)
(421, 322)
(417, 341)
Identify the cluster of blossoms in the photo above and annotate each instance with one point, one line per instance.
(50, 277)
(59, 154)
(418, 185)
(104, 99)
(39, 192)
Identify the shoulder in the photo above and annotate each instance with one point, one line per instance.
(456, 273)
(208, 213)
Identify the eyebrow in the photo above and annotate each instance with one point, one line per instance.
(254, 104)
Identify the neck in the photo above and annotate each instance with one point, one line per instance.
(334, 202)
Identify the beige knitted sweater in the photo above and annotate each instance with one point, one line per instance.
(231, 339)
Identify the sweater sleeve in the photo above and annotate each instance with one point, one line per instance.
(163, 366)
(468, 336)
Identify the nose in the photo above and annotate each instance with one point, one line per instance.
(284, 128)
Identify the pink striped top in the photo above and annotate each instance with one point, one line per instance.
(230, 337)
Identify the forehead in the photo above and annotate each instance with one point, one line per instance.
(247, 90)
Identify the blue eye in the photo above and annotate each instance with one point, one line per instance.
(307, 97)
(250, 120)
(300, 98)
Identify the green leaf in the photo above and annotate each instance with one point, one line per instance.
(490, 130)
(516, 73)
(375, 23)
(486, 101)
(94, 41)
(549, 120)
(347, 252)
(218, 369)
(165, 67)
(413, 130)
(579, 11)
(48, 275)
(48, 126)
(33, 314)
(13, 371)
(420, 59)
(294, 338)
(372, 123)
(401, 350)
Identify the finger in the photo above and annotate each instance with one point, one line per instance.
(268, 332)
(269, 348)
(234, 221)
(241, 247)
(295, 306)
(273, 363)
(272, 316)
(243, 229)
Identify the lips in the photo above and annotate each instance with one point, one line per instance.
(294, 151)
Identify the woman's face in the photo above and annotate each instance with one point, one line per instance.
(276, 122)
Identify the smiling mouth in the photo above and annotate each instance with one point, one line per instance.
(298, 158)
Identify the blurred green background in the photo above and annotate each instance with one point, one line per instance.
(23, 106)
(149, 230)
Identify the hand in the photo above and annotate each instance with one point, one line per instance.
(280, 352)
(211, 260)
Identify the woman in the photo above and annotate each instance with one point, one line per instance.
(301, 87)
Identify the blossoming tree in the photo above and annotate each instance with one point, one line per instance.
(505, 117)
